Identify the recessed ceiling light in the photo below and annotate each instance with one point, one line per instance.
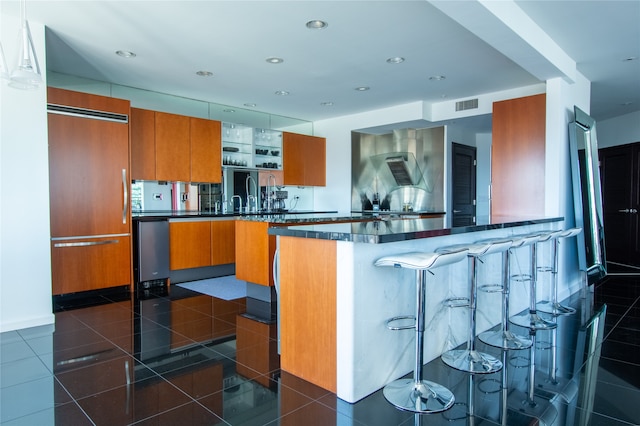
(317, 24)
(281, 92)
(326, 103)
(229, 111)
(250, 105)
(395, 60)
(630, 58)
(274, 60)
(125, 54)
(204, 73)
(437, 77)
(362, 88)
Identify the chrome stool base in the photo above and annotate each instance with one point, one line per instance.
(504, 339)
(471, 361)
(532, 321)
(418, 397)
(554, 309)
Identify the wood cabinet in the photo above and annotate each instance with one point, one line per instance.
(189, 244)
(308, 344)
(143, 144)
(304, 160)
(175, 148)
(89, 192)
(206, 157)
(223, 242)
(255, 249)
(90, 263)
(518, 157)
(201, 243)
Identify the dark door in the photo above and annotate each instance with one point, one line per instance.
(463, 172)
(619, 167)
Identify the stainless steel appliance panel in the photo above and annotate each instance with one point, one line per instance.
(152, 250)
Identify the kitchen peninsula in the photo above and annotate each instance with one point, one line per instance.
(334, 303)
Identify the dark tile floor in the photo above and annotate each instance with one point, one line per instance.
(189, 359)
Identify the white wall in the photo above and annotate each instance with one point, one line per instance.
(619, 130)
(25, 260)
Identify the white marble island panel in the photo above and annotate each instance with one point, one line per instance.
(366, 354)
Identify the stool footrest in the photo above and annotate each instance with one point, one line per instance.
(456, 302)
(492, 288)
(390, 322)
(521, 277)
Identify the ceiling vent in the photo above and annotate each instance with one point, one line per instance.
(468, 104)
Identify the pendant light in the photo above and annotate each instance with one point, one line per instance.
(26, 75)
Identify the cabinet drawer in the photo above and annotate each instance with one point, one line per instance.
(90, 264)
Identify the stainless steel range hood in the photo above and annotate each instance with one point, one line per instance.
(402, 171)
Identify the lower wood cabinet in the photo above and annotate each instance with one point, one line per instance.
(308, 343)
(255, 249)
(87, 264)
(223, 242)
(189, 244)
(200, 243)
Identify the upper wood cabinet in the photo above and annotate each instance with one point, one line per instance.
(174, 147)
(205, 150)
(143, 144)
(518, 157)
(304, 160)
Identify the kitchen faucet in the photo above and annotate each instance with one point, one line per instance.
(255, 190)
(239, 206)
(270, 188)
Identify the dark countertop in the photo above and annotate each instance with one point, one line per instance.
(387, 230)
(184, 214)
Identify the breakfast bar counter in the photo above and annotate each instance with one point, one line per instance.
(334, 303)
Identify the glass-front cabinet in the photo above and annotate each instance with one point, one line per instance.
(244, 146)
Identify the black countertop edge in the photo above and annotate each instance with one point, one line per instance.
(182, 214)
(394, 230)
(397, 212)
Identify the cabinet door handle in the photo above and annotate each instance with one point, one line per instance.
(623, 211)
(457, 211)
(86, 243)
(125, 196)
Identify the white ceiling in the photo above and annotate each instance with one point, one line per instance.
(175, 39)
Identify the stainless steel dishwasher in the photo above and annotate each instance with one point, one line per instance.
(151, 253)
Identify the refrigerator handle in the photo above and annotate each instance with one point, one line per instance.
(125, 197)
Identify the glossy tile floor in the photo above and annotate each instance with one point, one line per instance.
(189, 359)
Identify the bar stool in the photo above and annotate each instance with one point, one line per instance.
(553, 307)
(469, 359)
(418, 395)
(531, 319)
(505, 338)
